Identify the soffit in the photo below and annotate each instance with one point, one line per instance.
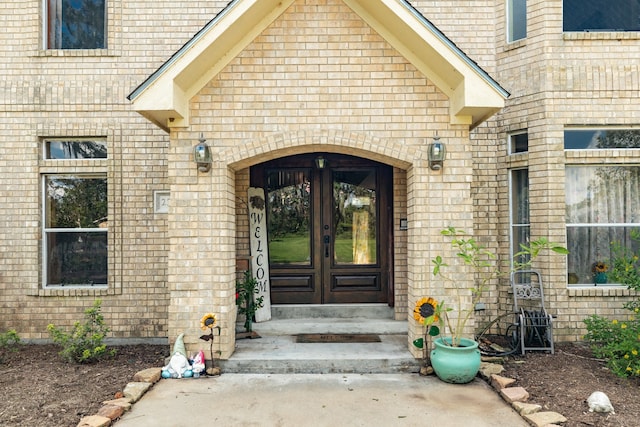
(164, 97)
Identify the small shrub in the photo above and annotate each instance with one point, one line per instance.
(85, 342)
(617, 341)
(8, 341)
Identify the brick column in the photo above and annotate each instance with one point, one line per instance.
(201, 260)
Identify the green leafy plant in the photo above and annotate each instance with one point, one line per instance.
(616, 341)
(84, 344)
(247, 303)
(8, 341)
(482, 261)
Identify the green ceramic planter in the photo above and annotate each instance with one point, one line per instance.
(457, 365)
(600, 278)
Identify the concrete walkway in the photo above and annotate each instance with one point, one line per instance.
(283, 400)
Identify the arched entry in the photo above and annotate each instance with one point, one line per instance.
(330, 237)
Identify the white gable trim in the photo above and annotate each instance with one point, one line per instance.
(164, 97)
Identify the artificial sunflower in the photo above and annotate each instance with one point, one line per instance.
(425, 308)
(207, 321)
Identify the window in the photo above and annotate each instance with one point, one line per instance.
(75, 24)
(516, 20)
(519, 142)
(601, 15)
(75, 149)
(602, 206)
(75, 222)
(595, 139)
(520, 226)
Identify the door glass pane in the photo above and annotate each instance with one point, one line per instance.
(288, 216)
(354, 212)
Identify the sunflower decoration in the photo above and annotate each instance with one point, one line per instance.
(599, 267)
(425, 311)
(208, 321)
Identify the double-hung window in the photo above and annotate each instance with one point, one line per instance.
(75, 24)
(602, 202)
(75, 223)
(601, 15)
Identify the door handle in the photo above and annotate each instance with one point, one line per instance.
(327, 240)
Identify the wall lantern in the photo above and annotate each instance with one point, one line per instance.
(437, 152)
(202, 155)
(321, 162)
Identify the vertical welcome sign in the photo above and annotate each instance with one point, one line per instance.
(259, 250)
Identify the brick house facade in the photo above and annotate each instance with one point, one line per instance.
(264, 80)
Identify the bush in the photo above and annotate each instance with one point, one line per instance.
(617, 341)
(8, 341)
(85, 342)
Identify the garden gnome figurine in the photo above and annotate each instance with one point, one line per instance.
(178, 366)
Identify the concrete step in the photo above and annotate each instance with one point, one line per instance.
(277, 351)
(332, 311)
(282, 354)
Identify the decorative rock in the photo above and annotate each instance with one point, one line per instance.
(541, 419)
(94, 421)
(134, 391)
(499, 382)
(514, 394)
(111, 411)
(214, 371)
(123, 402)
(526, 408)
(151, 375)
(426, 370)
(488, 369)
(599, 402)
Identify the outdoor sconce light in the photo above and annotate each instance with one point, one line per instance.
(321, 162)
(437, 151)
(202, 155)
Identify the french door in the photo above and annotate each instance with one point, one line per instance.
(328, 229)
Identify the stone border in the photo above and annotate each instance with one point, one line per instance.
(517, 397)
(111, 410)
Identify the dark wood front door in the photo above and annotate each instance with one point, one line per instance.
(328, 229)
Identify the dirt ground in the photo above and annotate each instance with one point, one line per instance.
(38, 389)
(562, 382)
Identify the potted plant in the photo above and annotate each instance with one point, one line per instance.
(436, 316)
(599, 271)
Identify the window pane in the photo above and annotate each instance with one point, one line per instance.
(75, 150)
(602, 194)
(288, 216)
(519, 210)
(517, 20)
(354, 209)
(600, 138)
(601, 15)
(75, 202)
(588, 245)
(77, 258)
(519, 143)
(76, 24)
